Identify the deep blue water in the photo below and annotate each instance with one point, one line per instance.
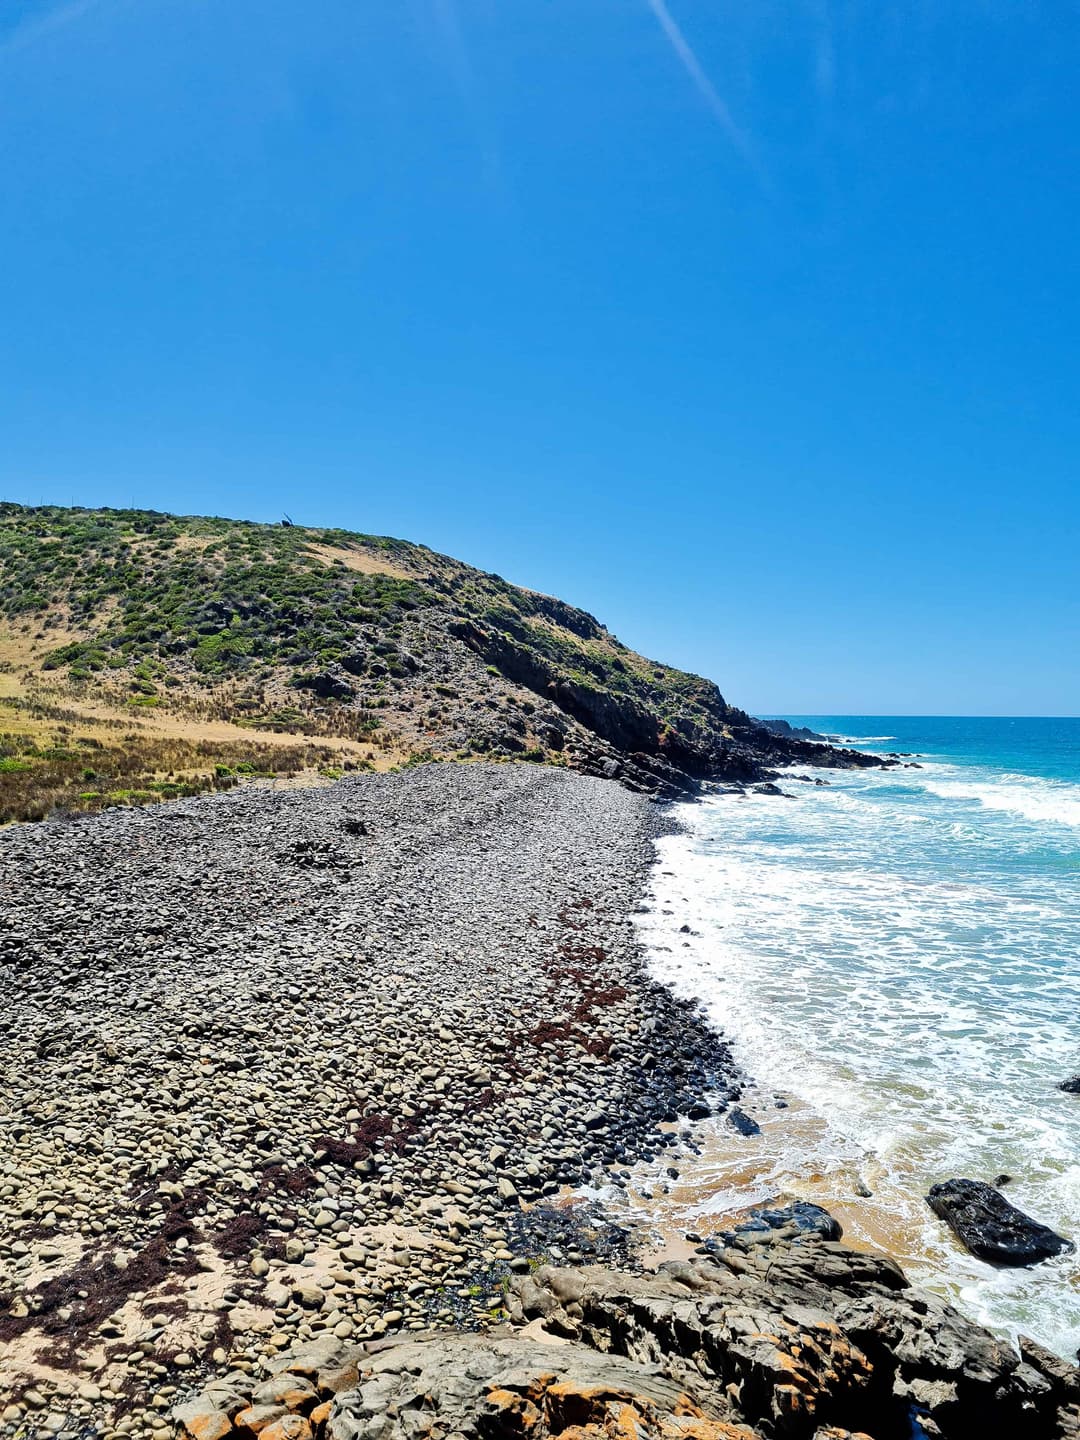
(897, 955)
(1047, 748)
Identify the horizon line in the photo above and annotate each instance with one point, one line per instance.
(899, 715)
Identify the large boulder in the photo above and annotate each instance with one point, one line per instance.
(991, 1227)
(330, 683)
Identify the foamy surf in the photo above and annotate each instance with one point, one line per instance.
(1039, 800)
(862, 739)
(895, 966)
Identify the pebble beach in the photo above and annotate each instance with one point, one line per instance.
(316, 1063)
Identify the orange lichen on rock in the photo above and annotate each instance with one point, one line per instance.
(572, 1410)
(208, 1425)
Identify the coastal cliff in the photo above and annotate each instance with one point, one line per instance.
(144, 656)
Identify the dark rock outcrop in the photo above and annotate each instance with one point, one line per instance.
(331, 683)
(792, 732)
(653, 745)
(791, 1223)
(991, 1227)
(1071, 1086)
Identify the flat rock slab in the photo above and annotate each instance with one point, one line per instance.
(990, 1227)
(470, 1386)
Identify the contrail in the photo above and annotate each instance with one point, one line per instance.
(36, 29)
(446, 18)
(692, 65)
(456, 53)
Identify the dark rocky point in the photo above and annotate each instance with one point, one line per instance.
(791, 732)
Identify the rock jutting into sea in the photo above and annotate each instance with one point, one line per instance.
(786, 1334)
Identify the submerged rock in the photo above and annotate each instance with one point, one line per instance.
(991, 1227)
(1071, 1086)
(771, 1225)
(740, 1121)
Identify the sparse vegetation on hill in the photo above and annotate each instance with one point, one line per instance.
(374, 650)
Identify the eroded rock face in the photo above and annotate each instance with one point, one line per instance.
(503, 1389)
(991, 1227)
(799, 1339)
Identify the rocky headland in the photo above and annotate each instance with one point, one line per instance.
(145, 656)
(296, 1087)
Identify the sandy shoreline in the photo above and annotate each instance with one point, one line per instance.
(285, 1065)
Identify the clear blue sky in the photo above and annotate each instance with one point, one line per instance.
(751, 327)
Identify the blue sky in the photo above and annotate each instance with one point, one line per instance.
(750, 327)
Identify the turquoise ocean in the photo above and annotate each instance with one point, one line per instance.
(895, 958)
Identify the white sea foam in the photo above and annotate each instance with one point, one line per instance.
(863, 739)
(1046, 800)
(899, 964)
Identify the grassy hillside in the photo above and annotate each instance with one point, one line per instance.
(144, 655)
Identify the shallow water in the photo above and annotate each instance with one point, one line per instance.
(896, 956)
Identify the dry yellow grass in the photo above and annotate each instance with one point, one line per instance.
(73, 747)
(354, 557)
(97, 718)
(54, 757)
(28, 643)
(98, 707)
